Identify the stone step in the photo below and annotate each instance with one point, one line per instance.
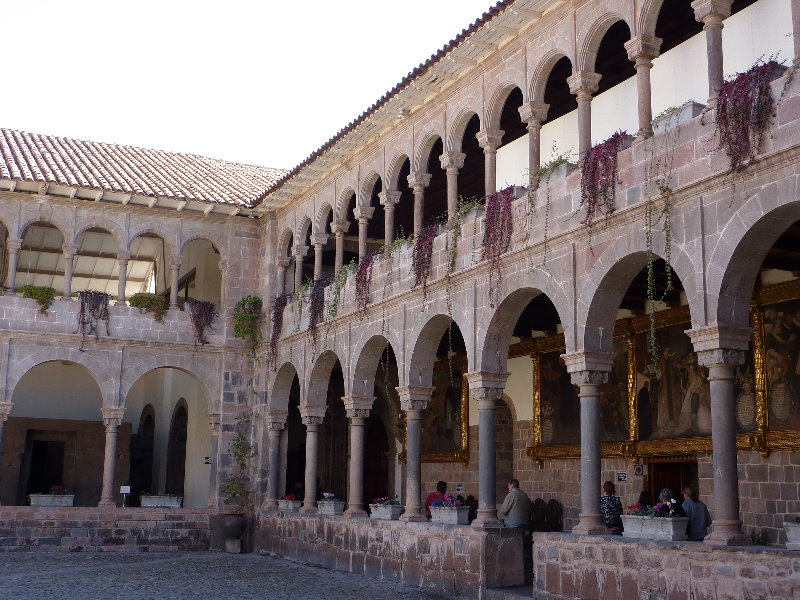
(521, 592)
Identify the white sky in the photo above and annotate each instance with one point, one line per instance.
(262, 82)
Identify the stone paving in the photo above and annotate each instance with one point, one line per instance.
(185, 575)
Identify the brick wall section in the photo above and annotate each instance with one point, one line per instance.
(35, 529)
(568, 566)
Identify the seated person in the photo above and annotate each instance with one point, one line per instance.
(441, 490)
(611, 509)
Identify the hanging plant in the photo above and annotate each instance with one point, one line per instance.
(544, 173)
(246, 316)
(153, 303)
(278, 305)
(421, 256)
(203, 314)
(44, 295)
(363, 283)
(497, 237)
(744, 109)
(93, 310)
(317, 308)
(599, 178)
(299, 296)
(339, 281)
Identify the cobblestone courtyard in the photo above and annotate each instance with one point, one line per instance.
(195, 576)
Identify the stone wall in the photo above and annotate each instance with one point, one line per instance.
(35, 529)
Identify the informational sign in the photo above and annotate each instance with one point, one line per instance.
(124, 489)
(638, 470)
(207, 460)
(459, 487)
(622, 476)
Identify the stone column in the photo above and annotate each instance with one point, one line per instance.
(487, 389)
(282, 464)
(589, 371)
(339, 228)
(418, 182)
(299, 254)
(711, 13)
(69, 254)
(583, 84)
(112, 418)
(452, 162)
(213, 426)
(363, 214)
(722, 349)
(796, 31)
(642, 50)
(490, 140)
(14, 244)
(275, 425)
(5, 410)
(414, 400)
(123, 256)
(312, 419)
(175, 262)
(389, 200)
(357, 411)
(319, 240)
(223, 290)
(533, 113)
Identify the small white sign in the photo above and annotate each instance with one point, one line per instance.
(459, 487)
(124, 489)
(622, 476)
(207, 460)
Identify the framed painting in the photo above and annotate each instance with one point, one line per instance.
(445, 422)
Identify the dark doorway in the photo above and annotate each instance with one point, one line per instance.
(376, 463)
(673, 473)
(45, 466)
(142, 444)
(176, 451)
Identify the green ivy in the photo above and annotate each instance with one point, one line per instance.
(44, 295)
(237, 486)
(246, 315)
(153, 303)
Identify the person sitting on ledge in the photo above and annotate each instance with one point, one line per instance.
(611, 509)
(441, 489)
(516, 509)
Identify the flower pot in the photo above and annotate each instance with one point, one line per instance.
(330, 508)
(161, 501)
(386, 512)
(289, 506)
(52, 499)
(655, 528)
(233, 526)
(792, 535)
(450, 515)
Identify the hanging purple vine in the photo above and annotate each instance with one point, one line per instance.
(744, 109)
(203, 314)
(93, 309)
(278, 305)
(317, 310)
(364, 283)
(497, 237)
(599, 178)
(421, 256)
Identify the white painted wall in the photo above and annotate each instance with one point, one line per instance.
(58, 390)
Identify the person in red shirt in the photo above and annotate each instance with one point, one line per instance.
(441, 490)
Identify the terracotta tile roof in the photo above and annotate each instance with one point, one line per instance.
(130, 170)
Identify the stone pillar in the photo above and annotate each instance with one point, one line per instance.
(357, 411)
(589, 371)
(312, 419)
(319, 240)
(583, 84)
(299, 254)
(339, 228)
(69, 254)
(14, 244)
(275, 426)
(363, 214)
(5, 410)
(796, 31)
(223, 289)
(490, 140)
(175, 262)
(452, 162)
(533, 113)
(642, 50)
(123, 256)
(414, 400)
(711, 13)
(487, 389)
(722, 350)
(389, 200)
(283, 264)
(282, 464)
(418, 182)
(213, 426)
(112, 418)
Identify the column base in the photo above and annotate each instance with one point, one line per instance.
(355, 512)
(310, 509)
(270, 504)
(413, 516)
(107, 502)
(589, 525)
(486, 519)
(727, 533)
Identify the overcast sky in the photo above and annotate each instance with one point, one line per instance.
(261, 82)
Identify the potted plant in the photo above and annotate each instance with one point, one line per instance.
(792, 529)
(290, 503)
(160, 500)
(58, 496)
(237, 487)
(385, 508)
(657, 522)
(330, 505)
(451, 511)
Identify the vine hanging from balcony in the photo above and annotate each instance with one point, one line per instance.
(421, 256)
(364, 283)
(599, 178)
(246, 318)
(44, 295)
(276, 316)
(153, 303)
(544, 173)
(316, 312)
(203, 314)
(93, 310)
(498, 228)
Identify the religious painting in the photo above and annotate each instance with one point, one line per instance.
(560, 405)
(614, 413)
(445, 420)
(782, 364)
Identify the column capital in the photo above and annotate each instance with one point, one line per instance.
(588, 377)
(5, 410)
(69, 250)
(300, 251)
(414, 397)
(112, 416)
(583, 84)
(176, 260)
(588, 361)
(716, 337)
(313, 415)
(276, 421)
(340, 227)
(123, 256)
(645, 47)
(535, 112)
(711, 12)
(14, 244)
(485, 385)
(417, 181)
(363, 212)
(214, 419)
(283, 262)
(358, 407)
(452, 160)
(389, 198)
(490, 139)
(319, 239)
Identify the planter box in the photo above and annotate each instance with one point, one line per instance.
(161, 501)
(792, 535)
(389, 512)
(331, 508)
(655, 528)
(289, 506)
(450, 515)
(52, 499)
